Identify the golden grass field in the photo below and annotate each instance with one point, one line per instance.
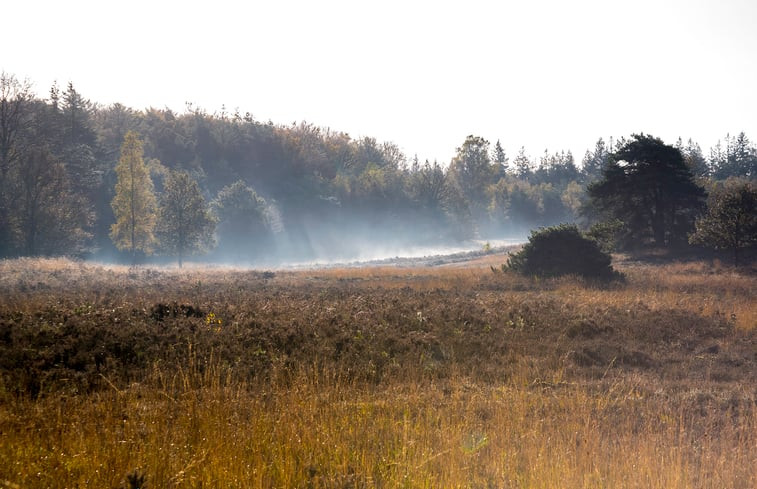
(457, 376)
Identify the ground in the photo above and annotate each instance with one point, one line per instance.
(449, 373)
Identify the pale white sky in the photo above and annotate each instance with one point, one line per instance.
(544, 74)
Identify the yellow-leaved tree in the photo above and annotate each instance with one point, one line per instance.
(134, 204)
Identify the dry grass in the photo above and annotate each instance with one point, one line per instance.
(323, 431)
(384, 377)
(695, 287)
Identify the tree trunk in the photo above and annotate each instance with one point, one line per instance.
(658, 229)
(658, 219)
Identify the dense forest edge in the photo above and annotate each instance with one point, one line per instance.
(233, 189)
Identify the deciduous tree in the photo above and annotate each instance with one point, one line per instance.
(472, 171)
(52, 218)
(134, 204)
(15, 101)
(185, 224)
(15, 98)
(730, 221)
(242, 220)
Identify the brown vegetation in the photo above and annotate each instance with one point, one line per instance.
(452, 376)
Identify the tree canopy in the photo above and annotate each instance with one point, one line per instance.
(243, 223)
(648, 186)
(319, 184)
(185, 224)
(730, 221)
(134, 204)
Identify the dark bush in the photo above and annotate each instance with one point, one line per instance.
(562, 250)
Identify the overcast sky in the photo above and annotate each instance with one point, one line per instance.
(549, 74)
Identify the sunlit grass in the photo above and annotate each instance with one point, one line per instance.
(695, 287)
(321, 430)
(502, 403)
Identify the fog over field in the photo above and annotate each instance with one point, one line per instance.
(313, 244)
(367, 252)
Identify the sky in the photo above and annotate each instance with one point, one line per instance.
(544, 74)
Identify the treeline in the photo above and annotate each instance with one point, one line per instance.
(281, 191)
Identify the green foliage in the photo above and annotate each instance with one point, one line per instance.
(516, 204)
(318, 175)
(471, 171)
(52, 217)
(557, 169)
(606, 234)
(730, 221)
(693, 157)
(185, 224)
(522, 164)
(500, 158)
(428, 188)
(595, 162)
(238, 206)
(649, 187)
(243, 221)
(573, 197)
(134, 204)
(737, 159)
(561, 250)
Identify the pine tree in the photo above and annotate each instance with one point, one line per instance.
(522, 164)
(185, 224)
(500, 158)
(648, 187)
(594, 162)
(695, 160)
(739, 159)
(134, 204)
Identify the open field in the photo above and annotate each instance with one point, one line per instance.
(446, 376)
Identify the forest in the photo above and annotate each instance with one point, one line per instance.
(270, 193)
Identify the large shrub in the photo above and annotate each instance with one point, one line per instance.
(561, 250)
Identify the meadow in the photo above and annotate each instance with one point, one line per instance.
(458, 375)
